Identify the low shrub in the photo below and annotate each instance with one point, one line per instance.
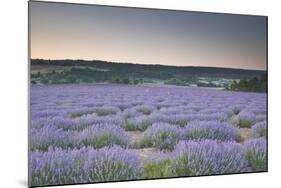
(158, 169)
(137, 123)
(259, 130)
(57, 166)
(244, 119)
(193, 158)
(198, 130)
(256, 153)
(101, 135)
(161, 135)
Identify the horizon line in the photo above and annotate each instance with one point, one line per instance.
(118, 62)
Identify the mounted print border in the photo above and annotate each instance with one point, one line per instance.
(126, 93)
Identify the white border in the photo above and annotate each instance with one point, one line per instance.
(13, 82)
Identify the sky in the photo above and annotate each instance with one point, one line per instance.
(147, 36)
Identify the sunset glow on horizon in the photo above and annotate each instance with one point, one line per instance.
(147, 36)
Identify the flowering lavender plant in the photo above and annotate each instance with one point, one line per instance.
(101, 135)
(208, 157)
(50, 136)
(259, 129)
(244, 119)
(256, 153)
(139, 123)
(57, 166)
(214, 130)
(145, 109)
(160, 135)
(112, 164)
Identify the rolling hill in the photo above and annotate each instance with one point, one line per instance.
(97, 71)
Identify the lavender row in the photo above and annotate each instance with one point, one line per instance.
(83, 165)
(159, 135)
(130, 101)
(97, 136)
(190, 158)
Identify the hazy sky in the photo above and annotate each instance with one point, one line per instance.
(145, 36)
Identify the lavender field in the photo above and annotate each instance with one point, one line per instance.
(98, 133)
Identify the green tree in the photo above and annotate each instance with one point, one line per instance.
(125, 81)
(44, 80)
(70, 79)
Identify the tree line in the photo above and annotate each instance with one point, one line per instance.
(256, 84)
(83, 75)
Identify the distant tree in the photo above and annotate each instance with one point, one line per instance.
(44, 80)
(86, 79)
(125, 81)
(70, 79)
(254, 84)
(116, 80)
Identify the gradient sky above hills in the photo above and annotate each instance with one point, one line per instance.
(146, 36)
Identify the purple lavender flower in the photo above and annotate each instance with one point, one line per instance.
(180, 120)
(50, 136)
(145, 109)
(244, 119)
(99, 111)
(101, 135)
(208, 157)
(197, 130)
(112, 164)
(137, 123)
(45, 113)
(256, 153)
(57, 166)
(106, 110)
(97, 136)
(92, 120)
(261, 117)
(259, 129)
(236, 109)
(160, 135)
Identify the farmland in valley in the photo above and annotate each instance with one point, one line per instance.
(46, 72)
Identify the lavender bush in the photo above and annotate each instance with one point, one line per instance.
(97, 136)
(160, 135)
(139, 123)
(57, 166)
(256, 153)
(112, 164)
(259, 129)
(49, 136)
(101, 135)
(198, 130)
(145, 109)
(158, 169)
(244, 119)
(208, 157)
(99, 111)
